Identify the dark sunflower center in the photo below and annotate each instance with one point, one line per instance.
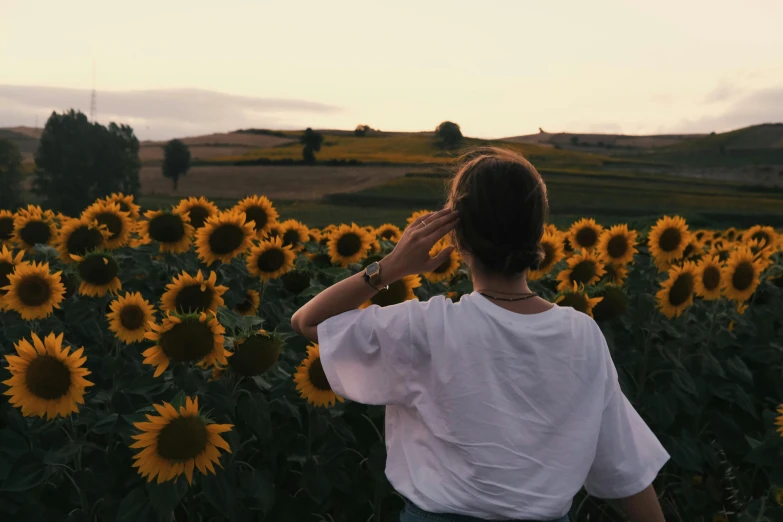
(549, 255)
(6, 269)
(226, 238)
(271, 260)
(670, 240)
(614, 304)
(166, 228)
(48, 378)
(575, 301)
(83, 239)
(586, 237)
(132, 317)
(98, 270)
(681, 290)
(291, 237)
(296, 282)
(349, 244)
(617, 247)
(318, 377)
(388, 234)
(198, 216)
(395, 294)
(743, 276)
(6, 228)
(34, 290)
(36, 232)
(255, 356)
(258, 216)
(182, 439)
(193, 299)
(112, 221)
(190, 340)
(761, 237)
(583, 272)
(711, 277)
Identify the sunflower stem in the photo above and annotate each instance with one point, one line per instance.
(374, 427)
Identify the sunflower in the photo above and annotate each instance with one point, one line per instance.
(296, 281)
(668, 239)
(676, 293)
(130, 317)
(585, 234)
(614, 304)
(445, 270)
(741, 275)
(170, 229)
(693, 250)
(778, 496)
(259, 211)
(98, 272)
(186, 338)
(223, 237)
(760, 250)
(348, 244)
(33, 227)
(199, 210)
(33, 291)
(255, 355)
(79, 236)
(311, 382)
(730, 234)
(270, 259)
(552, 244)
(583, 268)
(119, 223)
(187, 293)
(398, 292)
(577, 298)
(126, 204)
(701, 235)
(47, 380)
(274, 230)
(616, 274)
(616, 245)
(176, 442)
(6, 226)
(708, 278)
(294, 233)
(721, 249)
(766, 236)
(249, 306)
(779, 420)
(314, 235)
(416, 215)
(389, 232)
(8, 263)
(552, 229)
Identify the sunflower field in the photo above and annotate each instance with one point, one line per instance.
(150, 371)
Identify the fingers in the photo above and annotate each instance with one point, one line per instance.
(440, 226)
(416, 222)
(440, 258)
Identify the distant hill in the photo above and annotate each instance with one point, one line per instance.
(603, 142)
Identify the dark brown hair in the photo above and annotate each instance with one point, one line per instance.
(502, 205)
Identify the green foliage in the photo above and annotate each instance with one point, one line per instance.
(176, 161)
(79, 161)
(311, 143)
(11, 175)
(448, 135)
(362, 130)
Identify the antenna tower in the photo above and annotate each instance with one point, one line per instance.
(93, 96)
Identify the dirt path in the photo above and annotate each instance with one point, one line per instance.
(276, 182)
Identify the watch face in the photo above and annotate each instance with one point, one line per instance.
(372, 269)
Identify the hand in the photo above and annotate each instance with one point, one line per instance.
(411, 255)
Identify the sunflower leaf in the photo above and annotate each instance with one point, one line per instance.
(27, 472)
(165, 497)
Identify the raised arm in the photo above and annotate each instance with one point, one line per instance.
(411, 255)
(642, 507)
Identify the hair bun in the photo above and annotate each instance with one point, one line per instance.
(518, 260)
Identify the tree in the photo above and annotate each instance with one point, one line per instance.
(311, 141)
(78, 162)
(176, 160)
(362, 130)
(449, 135)
(11, 174)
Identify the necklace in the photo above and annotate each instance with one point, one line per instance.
(521, 298)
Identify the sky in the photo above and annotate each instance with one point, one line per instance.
(497, 67)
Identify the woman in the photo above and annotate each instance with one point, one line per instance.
(501, 406)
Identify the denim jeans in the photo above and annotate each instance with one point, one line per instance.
(412, 513)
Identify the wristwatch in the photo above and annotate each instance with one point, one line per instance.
(372, 276)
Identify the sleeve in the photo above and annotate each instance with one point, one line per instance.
(366, 354)
(628, 455)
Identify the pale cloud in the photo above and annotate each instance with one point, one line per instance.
(751, 108)
(161, 113)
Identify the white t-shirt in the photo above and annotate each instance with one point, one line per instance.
(491, 413)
